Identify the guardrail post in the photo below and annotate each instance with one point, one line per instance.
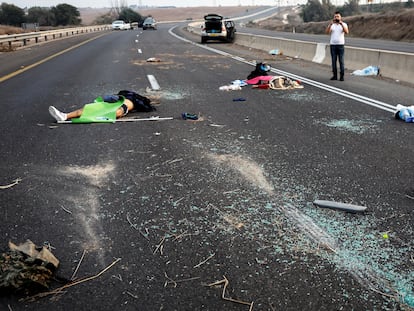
(37, 39)
(24, 42)
(45, 37)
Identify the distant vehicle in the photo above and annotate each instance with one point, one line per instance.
(120, 25)
(149, 23)
(215, 28)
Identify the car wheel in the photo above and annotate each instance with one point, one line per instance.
(203, 40)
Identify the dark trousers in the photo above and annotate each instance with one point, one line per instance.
(337, 54)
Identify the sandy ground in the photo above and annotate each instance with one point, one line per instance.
(167, 14)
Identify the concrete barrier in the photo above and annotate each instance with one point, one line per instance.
(394, 65)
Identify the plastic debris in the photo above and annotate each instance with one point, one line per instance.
(368, 71)
(274, 52)
(231, 87)
(153, 60)
(189, 116)
(240, 99)
(404, 113)
(239, 82)
(352, 208)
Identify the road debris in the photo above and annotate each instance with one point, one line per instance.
(405, 113)
(189, 116)
(14, 183)
(367, 71)
(27, 268)
(153, 60)
(226, 282)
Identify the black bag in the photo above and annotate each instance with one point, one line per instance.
(260, 70)
(141, 103)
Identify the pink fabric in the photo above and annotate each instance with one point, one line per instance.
(258, 79)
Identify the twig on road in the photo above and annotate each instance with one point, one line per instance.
(60, 289)
(204, 261)
(226, 282)
(175, 282)
(14, 183)
(160, 246)
(66, 210)
(77, 267)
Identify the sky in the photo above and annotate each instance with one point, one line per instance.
(108, 3)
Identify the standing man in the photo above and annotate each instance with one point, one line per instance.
(337, 29)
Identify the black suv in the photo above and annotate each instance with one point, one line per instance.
(214, 28)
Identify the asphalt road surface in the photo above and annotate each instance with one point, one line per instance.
(214, 214)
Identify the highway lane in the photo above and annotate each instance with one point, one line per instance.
(189, 202)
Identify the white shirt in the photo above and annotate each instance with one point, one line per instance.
(338, 34)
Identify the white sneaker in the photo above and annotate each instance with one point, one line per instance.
(58, 115)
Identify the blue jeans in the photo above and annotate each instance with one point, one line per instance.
(337, 53)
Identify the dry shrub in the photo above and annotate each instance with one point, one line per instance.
(396, 26)
(10, 30)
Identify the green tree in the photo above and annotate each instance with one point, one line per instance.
(409, 4)
(66, 14)
(11, 15)
(350, 8)
(129, 15)
(42, 16)
(315, 11)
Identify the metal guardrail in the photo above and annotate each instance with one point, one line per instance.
(47, 35)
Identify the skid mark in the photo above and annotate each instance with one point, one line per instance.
(86, 201)
(250, 170)
(160, 65)
(167, 94)
(96, 174)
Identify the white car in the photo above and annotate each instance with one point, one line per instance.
(120, 25)
(215, 28)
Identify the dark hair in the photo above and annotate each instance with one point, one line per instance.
(141, 103)
(337, 12)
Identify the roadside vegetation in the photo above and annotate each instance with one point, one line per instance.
(14, 19)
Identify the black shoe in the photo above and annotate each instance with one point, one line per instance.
(334, 78)
(341, 78)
